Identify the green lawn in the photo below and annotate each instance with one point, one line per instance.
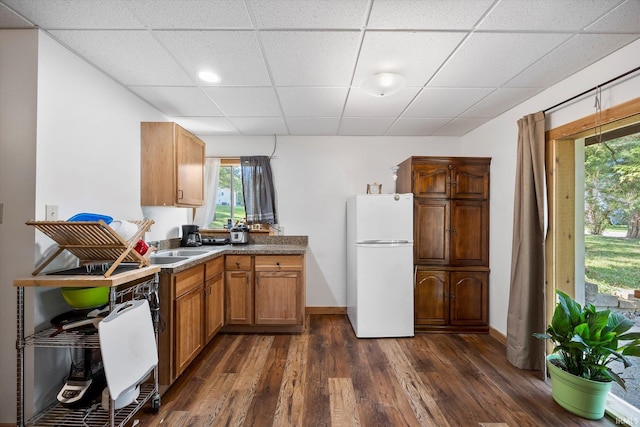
(612, 261)
(223, 213)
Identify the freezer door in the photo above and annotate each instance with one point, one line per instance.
(382, 217)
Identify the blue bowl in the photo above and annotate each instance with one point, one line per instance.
(91, 217)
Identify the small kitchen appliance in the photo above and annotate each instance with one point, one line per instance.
(85, 382)
(191, 235)
(215, 241)
(239, 235)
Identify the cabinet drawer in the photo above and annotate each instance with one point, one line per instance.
(237, 262)
(279, 262)
(213, 268)
(188, 279)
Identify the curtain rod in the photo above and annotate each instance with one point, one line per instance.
(592, 89)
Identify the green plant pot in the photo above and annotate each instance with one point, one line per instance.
(577, 395)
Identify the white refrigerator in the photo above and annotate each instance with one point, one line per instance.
(380, 265)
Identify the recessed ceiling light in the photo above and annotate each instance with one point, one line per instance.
(383, 84)
(209, 76)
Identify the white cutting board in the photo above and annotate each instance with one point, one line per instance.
(128, 345)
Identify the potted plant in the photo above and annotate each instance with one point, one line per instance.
(586, 341)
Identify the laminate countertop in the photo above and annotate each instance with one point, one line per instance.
(218, 251)
(294, 245)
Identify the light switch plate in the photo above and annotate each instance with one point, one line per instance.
(51, 212)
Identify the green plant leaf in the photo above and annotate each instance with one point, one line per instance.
(615, 377)
(618, 323)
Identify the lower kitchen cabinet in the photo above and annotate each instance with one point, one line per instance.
(189, 316)
(239, 290)
(279, 290)
(213, 298)
(451, 300)
(273, 302)
(192, 306)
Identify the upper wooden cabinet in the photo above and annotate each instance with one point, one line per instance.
(445, 177)
(172, 166)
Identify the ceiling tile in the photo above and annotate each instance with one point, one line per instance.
(8, 19)
(476, 63)
(132, 57)
(313, 125)
(178, 101)
(415, 55)
(445, 102)
(311, 58)
(500, 101)
(312, 101)
(411, 126)
(365, 125)
(432, 14)
(190, 14)
(245, 101)
(545, 15)
(260, 125)
(459, 127)
(233, 55)
(309, 14)
(207, 125)
(360, 104)
(577, 53)
(76, 14)
(624, 18)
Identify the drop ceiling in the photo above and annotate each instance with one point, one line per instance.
(295, 67)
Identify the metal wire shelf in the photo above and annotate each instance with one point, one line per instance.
(94, 416)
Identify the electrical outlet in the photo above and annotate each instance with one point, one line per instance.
(51, 212)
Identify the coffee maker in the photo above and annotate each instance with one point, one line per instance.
(191, 236)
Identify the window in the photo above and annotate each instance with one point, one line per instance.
(229, 199)
(565, 253)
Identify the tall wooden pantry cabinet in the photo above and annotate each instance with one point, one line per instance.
(451, 241)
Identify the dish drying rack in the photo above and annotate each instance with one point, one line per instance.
(93, 242)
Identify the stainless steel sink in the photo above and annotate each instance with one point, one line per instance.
(181, 253)
(167, 259)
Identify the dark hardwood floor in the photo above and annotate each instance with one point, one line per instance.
(327, 377)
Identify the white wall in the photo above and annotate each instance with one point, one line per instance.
(18, 72)
(314, 176)
(79, 149)
(498, 139)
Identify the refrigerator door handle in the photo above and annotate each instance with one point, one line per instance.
(384, 242)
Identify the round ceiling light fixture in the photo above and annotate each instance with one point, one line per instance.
(209, 76)
(383, 84)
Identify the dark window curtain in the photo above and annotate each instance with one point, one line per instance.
(526, 313)
(258, 190)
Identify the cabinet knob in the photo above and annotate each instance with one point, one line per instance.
(452, 296)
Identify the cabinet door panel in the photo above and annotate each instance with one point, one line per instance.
(431, 181)
(190, 169)
(470, 181)
(214, 306)
(239, 298)
(469, 293)
(431, 298)
(189, 335)
(278, 298)
(431, 229)
(469, 232)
